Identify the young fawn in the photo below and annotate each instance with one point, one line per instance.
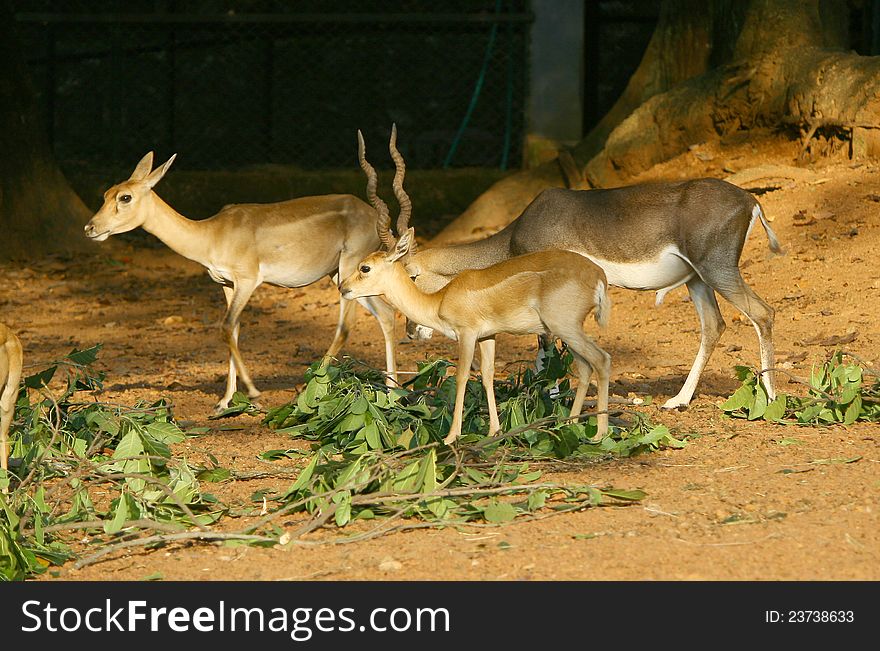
(10, 376)
(548, 293)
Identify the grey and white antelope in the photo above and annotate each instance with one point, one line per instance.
(654, 236)
(547, 292)
(288, 244)
(10, 376)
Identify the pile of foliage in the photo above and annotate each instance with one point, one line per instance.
(838, 392)
(378, 451)
(346, 407)
(83, 465)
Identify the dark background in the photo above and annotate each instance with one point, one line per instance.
(233, 83)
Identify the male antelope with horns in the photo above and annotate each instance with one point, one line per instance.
(288, 244)
(548, 293)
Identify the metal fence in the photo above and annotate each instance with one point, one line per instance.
(240, 82)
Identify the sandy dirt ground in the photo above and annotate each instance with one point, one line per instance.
(733, 504)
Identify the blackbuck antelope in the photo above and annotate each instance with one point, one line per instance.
(288, 244)
(654, 236)
(10, 376)
(549, 292)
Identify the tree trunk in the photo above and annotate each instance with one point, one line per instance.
(39, 212)
(711, 68)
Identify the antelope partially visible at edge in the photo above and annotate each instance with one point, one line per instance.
(10, 377)
(288, 244)
(548, 293)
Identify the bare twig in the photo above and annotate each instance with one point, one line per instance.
(169, 537)
(99, 524)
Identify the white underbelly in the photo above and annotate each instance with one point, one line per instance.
(667, 270)
(286, 277)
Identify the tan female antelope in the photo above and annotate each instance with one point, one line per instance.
(549, 292)
(289, 244)
(10, 376)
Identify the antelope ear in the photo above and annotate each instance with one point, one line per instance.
(159, 172)
(404, 245)
(143, 168)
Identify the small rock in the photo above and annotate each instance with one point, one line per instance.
(388, 564)
(175, 319)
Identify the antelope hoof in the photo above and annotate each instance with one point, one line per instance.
(450, 438)
(220, 407)
(253, 394)
(675, 403)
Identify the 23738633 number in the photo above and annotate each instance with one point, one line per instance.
(807, 616)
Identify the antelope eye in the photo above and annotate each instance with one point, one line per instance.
(125, 198)
(365, 269)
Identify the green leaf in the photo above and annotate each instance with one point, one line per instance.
(85, 357)
(853, 411)
(744, 373)
(166, 432)
(428, 472)
(631, 495)
(740, 399)
(119, 517)
(757, 409)
(129, 446)
(359, 406)
(775, 411)
(850, 391)
(407, 480)
(656, 434)
(499, 512)
(527, 477)
(41, 379)
(304, 478)
(537, 500)
(155, 448)
(351, 423)
(342, 515)
(854, 373)
(371, 435)
(214, 474)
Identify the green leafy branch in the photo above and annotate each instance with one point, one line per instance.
(838, 392)
(85, 465)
